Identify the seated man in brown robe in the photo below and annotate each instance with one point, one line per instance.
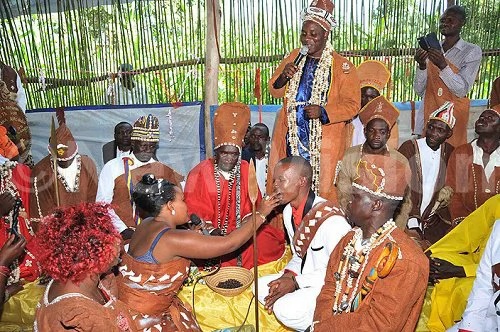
(120, 175)
(473, 171)
(377, 276)
(428, 157)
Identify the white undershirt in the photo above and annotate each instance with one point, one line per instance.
(120, 153)
(358, 135)
(430, 161)
(69, 174)
(260, 171)
(225, 175)
(494, 161)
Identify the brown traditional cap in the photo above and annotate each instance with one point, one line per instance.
(321, 12)
(66, 145)
(445, 114)
(374, 74)
(382, 176)
(379, 108)
(146, 129)
(230, 124)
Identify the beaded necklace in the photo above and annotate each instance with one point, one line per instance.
(6, 185)
(234, 177)
(319, 95)
(77, 178)
(353, 264)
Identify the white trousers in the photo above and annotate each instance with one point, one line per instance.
(294, 310)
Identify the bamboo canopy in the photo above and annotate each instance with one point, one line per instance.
(70, 50)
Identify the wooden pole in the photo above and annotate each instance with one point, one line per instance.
(212, 61)
(450, 3)
(253, 193)
(53, 153)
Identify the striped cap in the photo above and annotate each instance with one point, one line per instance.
(146, 129)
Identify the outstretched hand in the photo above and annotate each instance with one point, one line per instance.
(441, 269)
(267, 204)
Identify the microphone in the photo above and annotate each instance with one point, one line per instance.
(197, 222)
(302, 53)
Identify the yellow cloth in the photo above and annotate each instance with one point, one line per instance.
(462, 246)
(426, 310)
(214, 311)
(19, 311)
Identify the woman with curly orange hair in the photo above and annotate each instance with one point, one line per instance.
(78, 245)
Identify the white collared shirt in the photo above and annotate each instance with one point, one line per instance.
(477, 159)
(480, 313)
(261, 173)
(120, 154)
(431, 159)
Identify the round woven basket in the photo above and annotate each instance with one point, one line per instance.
(230, 272)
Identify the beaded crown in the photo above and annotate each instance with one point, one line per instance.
(321, 12)
(230, 124)
(382, 176)
(66, 145)
(445, 114)
(374, 74)
(379, 108)
(146, 129)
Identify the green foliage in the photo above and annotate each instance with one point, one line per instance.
(88, 43)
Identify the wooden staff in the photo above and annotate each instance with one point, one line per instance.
(253, 193)
(53, 153)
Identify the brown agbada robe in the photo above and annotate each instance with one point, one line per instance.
(393, 304)
(495, 93)
(121, 196)
(469, 183)
(436, 94)
(343, 103)
(79, 313)
(153, 294)
(436, 226)
(46, 191)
